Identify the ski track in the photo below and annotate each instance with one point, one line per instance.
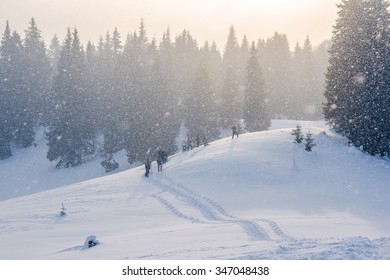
(210, 210)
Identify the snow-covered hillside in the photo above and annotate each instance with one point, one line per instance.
(260, 196)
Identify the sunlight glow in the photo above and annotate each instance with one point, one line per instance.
(205, 19)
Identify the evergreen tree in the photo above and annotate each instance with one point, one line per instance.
(255, 111)
(277, 75)
(200, 107)
(135, 92)
(38, 81)
(53, 53)
(230, 111)
(6, 94)
(297, 133)
(231, 97)
(309, 142)
(15, 105)
(23, 119)
(306, 102)
(243, 57)
(214, 64)
(116, 42)
(71, 130)
(357, 82)
(108, 74)
(160, 120)
(232, 51)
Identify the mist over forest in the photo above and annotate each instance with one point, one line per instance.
(137, 93)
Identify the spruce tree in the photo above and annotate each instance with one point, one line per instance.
(200, 107)
(306, 103)
(231, 53)
(255, 111)
(230, 110)
(277, 75)
(37, 75)
(53, 53)
(161, 110)
(357, 81)
(231, 97)
(71, 130)
(6, 94)
(297, 133)
(309, 142)
(107, 73)
(15, 106)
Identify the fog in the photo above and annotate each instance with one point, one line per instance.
(145, 62)
(206, 20)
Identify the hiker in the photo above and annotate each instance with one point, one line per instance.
(164, 156)
(189, 144)
(160, 159)
(197, 141)
(185, 146)
(159, 164)
(205, 143)
(147, 167)
(234, 130)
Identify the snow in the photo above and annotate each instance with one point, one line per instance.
(260, 196)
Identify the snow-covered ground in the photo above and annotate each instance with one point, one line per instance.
(260, 196)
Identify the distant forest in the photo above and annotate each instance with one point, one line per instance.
(137, 93)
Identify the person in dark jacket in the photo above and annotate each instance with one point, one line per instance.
(159, 163)
(235, 132)
(148, 165)
(197, 141)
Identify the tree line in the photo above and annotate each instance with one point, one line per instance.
(135, 93)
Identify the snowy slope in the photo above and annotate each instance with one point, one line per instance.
(257, 197)
(28, 170)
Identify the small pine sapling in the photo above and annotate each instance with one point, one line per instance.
(63, 213)
(298, 134)
(309, 142)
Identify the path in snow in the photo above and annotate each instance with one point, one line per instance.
(173, 194)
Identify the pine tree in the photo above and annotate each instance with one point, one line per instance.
(23, 119)
(243, 57)
(277, 75)
(255, 111)
(6, 95)
(231, 96)
(306, 102)
(297, 132)
(200, 107)
(71, 130)
(108, 114)
(116, 42)
(232, 51)
(309, 142)
(230, 111)
(357, 92)
(15, 105)
(53, 54)
(37, 75)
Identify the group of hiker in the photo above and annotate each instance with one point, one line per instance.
(188, 144)
(161, 159)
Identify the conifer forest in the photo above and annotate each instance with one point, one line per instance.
(135, 92)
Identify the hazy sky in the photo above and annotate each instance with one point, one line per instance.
(205, 19)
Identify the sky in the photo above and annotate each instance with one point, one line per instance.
(205, 19)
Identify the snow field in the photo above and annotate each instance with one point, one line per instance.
(260, 196)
